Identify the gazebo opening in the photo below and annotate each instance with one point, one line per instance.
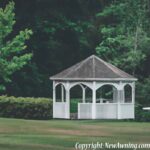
(75, 98)
(79, 94)
(106, 94)
(60, 93)
(128, 93)
(88, 95)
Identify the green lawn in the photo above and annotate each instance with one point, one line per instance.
(18, 134)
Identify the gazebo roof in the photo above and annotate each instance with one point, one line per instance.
(93, 69)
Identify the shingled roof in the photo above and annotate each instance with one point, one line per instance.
(93, 68)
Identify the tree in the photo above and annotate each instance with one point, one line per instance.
(62, 29)
(12, 55)
(125, 37)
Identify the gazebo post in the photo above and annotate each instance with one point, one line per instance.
(94, 100)
(83, 94)
(118, 106)
(120, 99)
(62, 93)
(67, 100)
(133, 92)
(123, 96)
(54, 97)
(114, 95)
(133, 97)
(54, 92)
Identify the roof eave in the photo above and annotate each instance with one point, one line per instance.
(94, 79)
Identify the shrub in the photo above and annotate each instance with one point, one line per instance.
(27, 108)
(140, 114)
(143, 92)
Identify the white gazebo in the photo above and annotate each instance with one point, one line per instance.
(94, 73)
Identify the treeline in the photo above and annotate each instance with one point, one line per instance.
(65, 32)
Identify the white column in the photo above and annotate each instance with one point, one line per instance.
(114, 95)
(67, 101)
(54, 92)
(123, 96)
(133, 98)
(120, 99)
(54, 98)
(94, 100)
(62, 93)
(83, 94)
(133, 92)
(119, 106)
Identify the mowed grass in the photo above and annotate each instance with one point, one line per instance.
(19, 134)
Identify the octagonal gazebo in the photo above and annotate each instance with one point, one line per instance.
(94, 73)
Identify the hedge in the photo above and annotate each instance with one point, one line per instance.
(141, 115)
(26, 108)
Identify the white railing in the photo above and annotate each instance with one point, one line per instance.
(106, 110)
(127, 110)
(101, 110)
(60, 110)
(84, 110)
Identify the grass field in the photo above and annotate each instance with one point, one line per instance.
(18, 134)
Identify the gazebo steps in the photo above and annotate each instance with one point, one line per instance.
(73, 116)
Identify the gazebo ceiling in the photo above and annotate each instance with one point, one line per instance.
(93, 68)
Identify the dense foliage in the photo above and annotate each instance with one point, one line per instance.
(11, 56)
(27, 108)
(125, 40)
(66, 32)
(140, 114)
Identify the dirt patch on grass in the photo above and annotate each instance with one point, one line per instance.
(8, 130)
(81, 132)
(93, 127)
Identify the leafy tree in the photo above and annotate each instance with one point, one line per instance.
(125, 39)
(143, 92)
(62, 29)
(12, 57)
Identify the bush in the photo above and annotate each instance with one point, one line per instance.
(140, 114)
(27, 108)
(143, 92)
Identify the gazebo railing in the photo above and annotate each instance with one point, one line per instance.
(84, 110)
(60, 110)
(106, 110)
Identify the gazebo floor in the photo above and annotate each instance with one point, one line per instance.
(73, 116)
